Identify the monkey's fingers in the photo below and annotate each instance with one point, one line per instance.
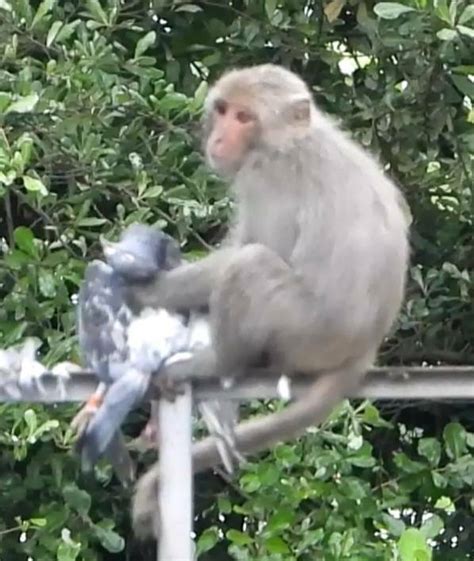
(140, 295)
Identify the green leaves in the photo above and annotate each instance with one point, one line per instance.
(467, 15)
(238, 538)
(276, 545)
(53, 32)
(395, 526)
(391, 10)
(412, 546)
(77, 499)
(25, 240)
(430, 448)
(34, 185)
(68, 550)
(24, 104)
(270, 7)
(96, 11)
(145, 43)
(43, 9)
(207, 540)
(109, 539)
(432, 527)
(455, 438)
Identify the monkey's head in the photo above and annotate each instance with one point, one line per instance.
(254, 108)
(142, 252)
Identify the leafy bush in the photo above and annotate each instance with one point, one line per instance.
(99, 127)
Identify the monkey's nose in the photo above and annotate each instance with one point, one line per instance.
(218, 149)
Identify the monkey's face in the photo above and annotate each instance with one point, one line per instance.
(251, 112)
(234, 131)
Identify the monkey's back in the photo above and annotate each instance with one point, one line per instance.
(357, 264)
(328, 210)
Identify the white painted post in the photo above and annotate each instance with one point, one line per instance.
(175, 499)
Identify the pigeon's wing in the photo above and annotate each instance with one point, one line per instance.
(102, 324)
(103, 319)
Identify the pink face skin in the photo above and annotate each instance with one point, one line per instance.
(233, 129)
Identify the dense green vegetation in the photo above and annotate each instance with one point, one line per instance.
(99, 123)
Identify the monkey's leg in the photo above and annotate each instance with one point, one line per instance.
(259, 307)
(259, 304)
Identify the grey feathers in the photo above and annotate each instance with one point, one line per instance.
(126, 348)
(123, 348)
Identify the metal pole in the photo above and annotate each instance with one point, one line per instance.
(175, 499)
(397, 382)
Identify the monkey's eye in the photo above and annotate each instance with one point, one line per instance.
(244, 117)
(220, 107)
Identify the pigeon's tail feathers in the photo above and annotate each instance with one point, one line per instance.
(120, 398)
(118, 456)
(221, 418)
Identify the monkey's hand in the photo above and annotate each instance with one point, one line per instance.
(144, 294)
(168, 387)
(186, 287)
(182, 368)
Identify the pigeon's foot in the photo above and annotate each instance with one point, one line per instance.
(85, 414)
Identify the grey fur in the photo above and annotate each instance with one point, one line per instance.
(313, 270)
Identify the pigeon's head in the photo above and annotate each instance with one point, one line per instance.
(142, 252)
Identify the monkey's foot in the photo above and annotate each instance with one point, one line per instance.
(147, 440)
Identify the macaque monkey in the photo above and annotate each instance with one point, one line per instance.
(312, 273)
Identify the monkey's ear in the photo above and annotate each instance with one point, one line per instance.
(299, 110)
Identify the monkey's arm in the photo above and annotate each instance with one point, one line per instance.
(252, 436)
(186, 287)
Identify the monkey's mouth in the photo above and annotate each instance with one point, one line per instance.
(225, 168)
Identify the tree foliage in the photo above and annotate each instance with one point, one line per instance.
(99, 127)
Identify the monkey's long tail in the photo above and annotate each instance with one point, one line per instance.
(251, 436)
